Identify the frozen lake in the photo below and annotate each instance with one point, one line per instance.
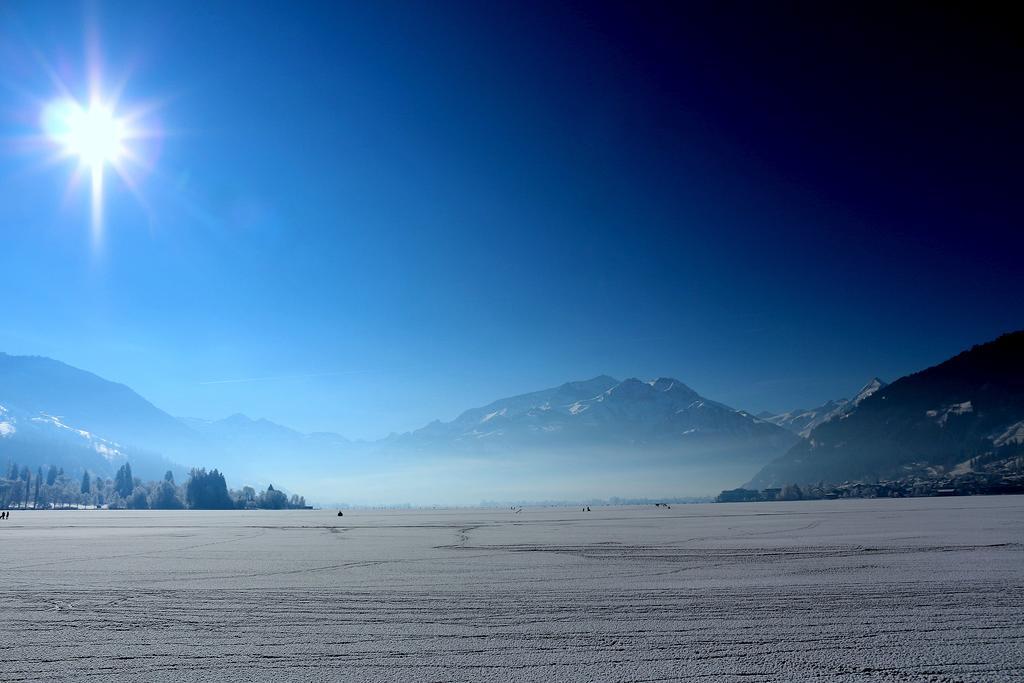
(905, 589)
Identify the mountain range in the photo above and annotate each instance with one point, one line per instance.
(803, 421)
(53, 413)
(600, 424)
(652, 437)
(605, 411)
(967, 406)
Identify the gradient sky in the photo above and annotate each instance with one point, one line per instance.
(378, 214)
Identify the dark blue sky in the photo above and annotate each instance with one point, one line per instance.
(381, 214)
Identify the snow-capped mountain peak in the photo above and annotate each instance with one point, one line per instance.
(868, 389)
(604, 411)
(802, 420)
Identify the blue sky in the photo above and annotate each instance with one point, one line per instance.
(379, 214)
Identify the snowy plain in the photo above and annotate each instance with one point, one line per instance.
(902, 589)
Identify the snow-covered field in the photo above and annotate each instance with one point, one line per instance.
(913, 589)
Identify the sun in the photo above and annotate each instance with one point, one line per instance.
(97, 137)
(89, 124)
(93, 134)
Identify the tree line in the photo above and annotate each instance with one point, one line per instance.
(20, 487)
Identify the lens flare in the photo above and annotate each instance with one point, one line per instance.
(93, 134)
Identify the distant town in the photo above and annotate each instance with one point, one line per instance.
(1007, 479)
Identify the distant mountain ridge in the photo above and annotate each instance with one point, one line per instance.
(973, 403)
(628, 424)
(247, 445)
(78, 420)
(662, 412)
(40, 438)
(803, 421)
(37, 385)
(966, 406)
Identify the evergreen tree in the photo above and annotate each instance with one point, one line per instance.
(139, 500)
(273, 500)
(85, 488)
(17, 485)
(51, 475)
(124, 483)
(169, 477)
(165, 497)
(207, 491)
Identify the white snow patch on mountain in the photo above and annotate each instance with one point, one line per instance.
(106, 451)
(56, 421)
(1012, 435)
(577, 408)
(942, 415)
(867, 390)
(496, 413)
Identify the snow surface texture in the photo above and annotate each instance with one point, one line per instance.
(910, 589)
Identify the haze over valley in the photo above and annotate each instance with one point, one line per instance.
(596, 438)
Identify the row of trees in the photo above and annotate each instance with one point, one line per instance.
(208, 491)
(20, 487)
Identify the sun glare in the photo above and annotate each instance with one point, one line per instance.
(87, 124)
(96, 137)
(93, 134)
